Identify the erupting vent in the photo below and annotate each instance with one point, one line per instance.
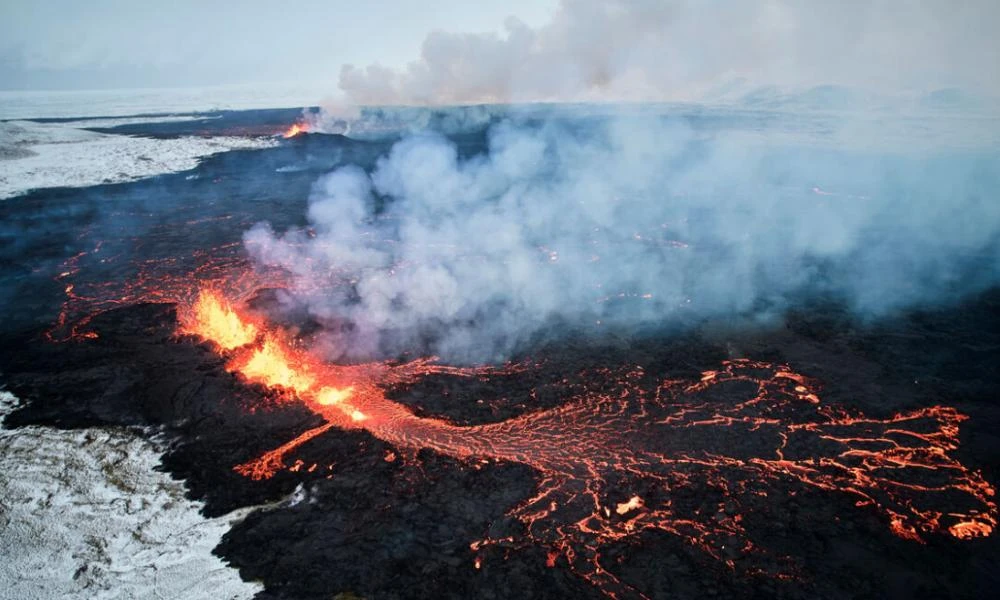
(295, 130)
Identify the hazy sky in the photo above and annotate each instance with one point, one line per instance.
(60, 44)
(455, 51)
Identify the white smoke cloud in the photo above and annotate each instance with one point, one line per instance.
(640, 215)
(630, 221)
(682, 49)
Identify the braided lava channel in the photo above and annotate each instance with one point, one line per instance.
(657, 442)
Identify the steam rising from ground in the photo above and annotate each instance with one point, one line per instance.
(631, 221)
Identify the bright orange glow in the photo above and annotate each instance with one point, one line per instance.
(965, 530)
(295, 130)
(328, 395)
(271, 365)
(272, 362)
(213, 318)
(633, 503)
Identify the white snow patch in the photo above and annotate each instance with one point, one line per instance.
(85, 514)
(42, 155)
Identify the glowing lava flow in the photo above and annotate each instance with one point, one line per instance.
(673, 457)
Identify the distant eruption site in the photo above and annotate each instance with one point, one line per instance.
(295, 129)
(614, 464)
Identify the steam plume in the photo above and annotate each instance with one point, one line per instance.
(681, 50)
(631, 220)
(620, 216)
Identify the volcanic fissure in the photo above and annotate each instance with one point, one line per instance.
(664, 439)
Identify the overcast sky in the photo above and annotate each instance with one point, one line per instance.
(443, 51)
(84, 44)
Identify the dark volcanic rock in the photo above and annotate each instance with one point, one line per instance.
(358, 516)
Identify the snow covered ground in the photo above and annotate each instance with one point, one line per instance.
(86, 514)
(40, 155)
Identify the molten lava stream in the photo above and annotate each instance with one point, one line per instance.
(663, 441)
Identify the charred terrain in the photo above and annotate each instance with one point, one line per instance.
(817, 453)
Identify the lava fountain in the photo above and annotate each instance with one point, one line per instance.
(654, 442)
(294, 130)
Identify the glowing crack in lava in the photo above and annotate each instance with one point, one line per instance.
(615, 464)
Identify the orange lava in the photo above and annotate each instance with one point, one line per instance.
(616, 463)
(213, 318)
(633, 503)
(295, 130)
(271, 365)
